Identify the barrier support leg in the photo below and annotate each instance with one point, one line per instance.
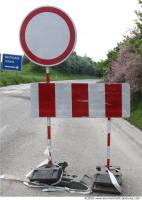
(108, 178)
(108, 142)
(47, 78)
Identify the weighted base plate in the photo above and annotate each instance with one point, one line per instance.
(104, 189)
(103, 182)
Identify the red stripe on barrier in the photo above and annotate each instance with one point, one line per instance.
(113, 100)
(49, 132)
(80, 107)
(108, 139)
(47, 78)
(46, 100)
(108, 163)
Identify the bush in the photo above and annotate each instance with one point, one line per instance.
(126, 68)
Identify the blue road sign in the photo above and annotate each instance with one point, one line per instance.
(11, 62)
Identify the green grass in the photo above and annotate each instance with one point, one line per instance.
(28, 76)
(56, 75)
(136, 111)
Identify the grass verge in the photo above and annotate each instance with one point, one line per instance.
(28, 75)
(136, 111)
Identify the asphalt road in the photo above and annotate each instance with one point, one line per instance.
(80, 142)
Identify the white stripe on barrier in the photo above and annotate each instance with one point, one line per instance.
(125, 100)
(109, 126)
(96, 100)
(63, 99)
(34, 100)
(108, 152)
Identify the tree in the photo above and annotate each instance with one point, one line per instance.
(25, 60)
(135, 38)
(103, 65)
(78, 65)
(126, 68)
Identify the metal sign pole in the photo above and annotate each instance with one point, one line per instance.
(47, 78)
(108, 141)
(48, 122)
(37, 34)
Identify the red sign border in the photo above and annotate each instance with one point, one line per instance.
(65, 54)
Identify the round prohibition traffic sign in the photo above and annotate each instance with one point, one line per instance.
(47, 36)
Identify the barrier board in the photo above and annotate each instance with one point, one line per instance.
(94, 100)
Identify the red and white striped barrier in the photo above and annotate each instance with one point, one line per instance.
(96, 100)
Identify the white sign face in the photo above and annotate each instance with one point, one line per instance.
(42, 42)
(47, 36)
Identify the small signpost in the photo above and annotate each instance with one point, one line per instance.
(11, 62)
(48, 37)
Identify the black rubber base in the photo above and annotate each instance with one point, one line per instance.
(46, 174)
(56, 175)
(102, 181)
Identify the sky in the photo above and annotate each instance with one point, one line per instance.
(100, 24)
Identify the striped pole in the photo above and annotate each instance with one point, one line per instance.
(47, 77)
(108, 142)
(48, 123)
(49, 140)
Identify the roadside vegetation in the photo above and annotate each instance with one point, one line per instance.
(136, 111)
(75, 67)
(69, 70)
(13, 77)
(124, 64)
